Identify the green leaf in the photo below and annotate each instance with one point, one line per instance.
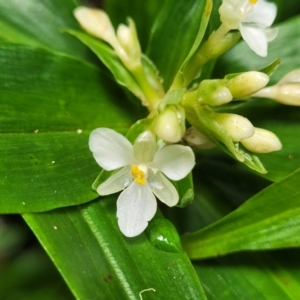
(174, 33)
(39, 23)
(111, 61)
(46, 162)
(264, 276)
(269, 220)
(107, 264)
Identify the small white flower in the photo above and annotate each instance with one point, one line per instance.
(253, 19)
(142, 174)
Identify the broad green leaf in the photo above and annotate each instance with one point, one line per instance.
(49, 105)
(264, 276)
(40, 23)
(184, 75)
(104, 264)
(269, 220)
(173, 35)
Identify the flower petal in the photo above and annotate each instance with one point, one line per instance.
(263, 14)
(175, 161)
(162, 188)
(110, 149)
(115, 183)
(135, 207)
(145, 147)
(255, 38)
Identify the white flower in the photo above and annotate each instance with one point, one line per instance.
(253, 19)
(142, 174)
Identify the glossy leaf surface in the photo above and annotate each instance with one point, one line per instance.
(114, 267)
(269, 220)
(47, 115)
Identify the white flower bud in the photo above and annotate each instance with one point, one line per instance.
(231, 13)
(170, 124)
(291, 77)
(97, 23)
(237, 127)
(263, 141)
(286, 91)
(213, 92)
(246, 84)
(197, 139)
(128, 39)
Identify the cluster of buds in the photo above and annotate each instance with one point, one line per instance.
(140, 165)
(124, 41)
(214, 93)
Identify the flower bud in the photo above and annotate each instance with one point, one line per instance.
(230, 14)
(237, 127)
(170, 124)
(97, 23)
(246, 84)
(128, 39)
(197, 139)
(286, 91)
(263, 141)
(213, 92)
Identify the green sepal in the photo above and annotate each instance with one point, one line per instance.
(271, 68)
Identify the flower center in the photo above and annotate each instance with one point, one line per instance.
(252, 1)
(139, 173)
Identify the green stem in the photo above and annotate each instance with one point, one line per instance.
(152, 96)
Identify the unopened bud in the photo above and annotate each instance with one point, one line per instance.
(237, 127)
(213, 92)
(263, 141)
(286, 91)
(246, 84)
(170, 124)
(97, 23)
(197, 139)
(128, 39)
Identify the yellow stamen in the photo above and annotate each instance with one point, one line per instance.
(138, 174)
(252, 1)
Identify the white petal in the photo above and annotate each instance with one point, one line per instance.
(135, 207)
(145, 147)
(263, 14)
(256, 39)
(115, 183)
(162, 188)
(175, 161)
(271, 33)
(110, 149)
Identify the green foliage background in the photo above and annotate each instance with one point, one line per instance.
(51, 85)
